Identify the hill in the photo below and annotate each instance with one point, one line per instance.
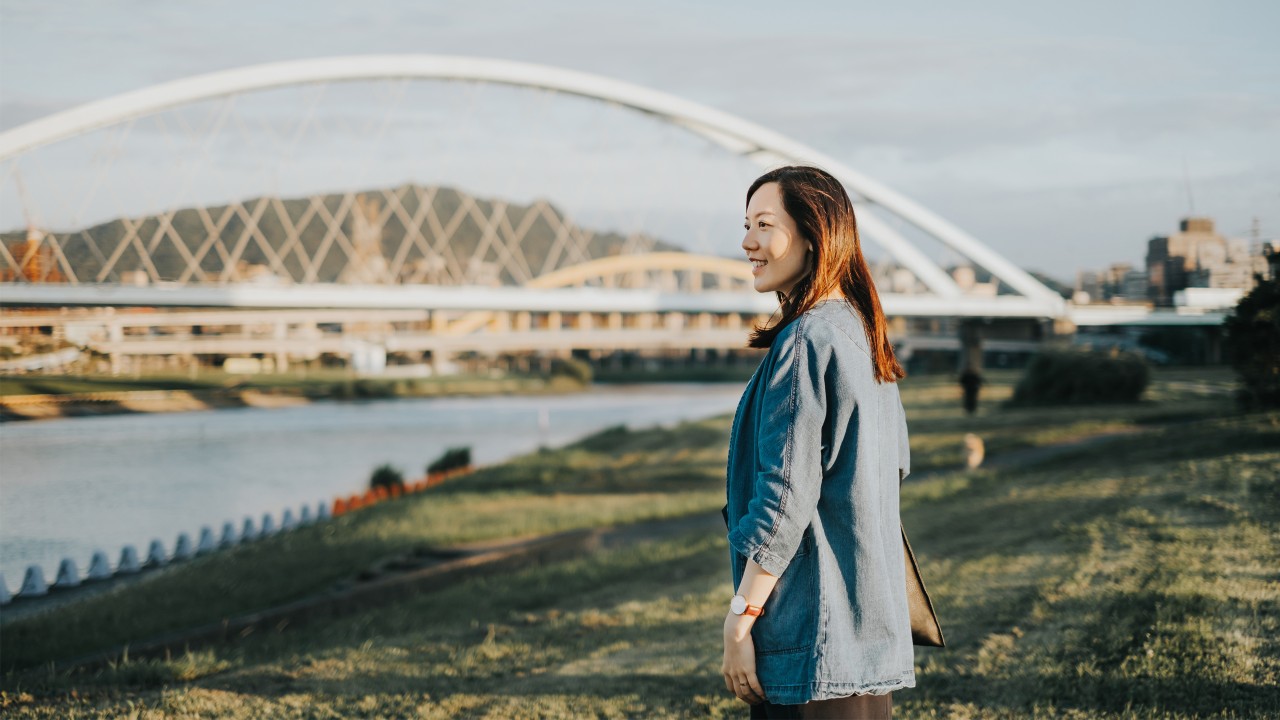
(407, 234)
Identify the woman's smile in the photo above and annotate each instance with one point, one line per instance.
(773, 241)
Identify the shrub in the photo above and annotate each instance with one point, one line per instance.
(369, 388)
(574, 368)
(386, 476)
(1080, 377)
(1253, 339)
(452, 458)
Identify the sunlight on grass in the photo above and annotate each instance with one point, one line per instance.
(1138, 582)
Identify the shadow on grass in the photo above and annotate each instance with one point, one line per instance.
(1201, 439)
(1120, 663)
(625, 600)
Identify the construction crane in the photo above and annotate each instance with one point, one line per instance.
(29, 259)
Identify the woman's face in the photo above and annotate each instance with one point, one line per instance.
(779, 255)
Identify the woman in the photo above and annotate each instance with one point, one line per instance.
(820, 625)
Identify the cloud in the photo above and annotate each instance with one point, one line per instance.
(1004, 115)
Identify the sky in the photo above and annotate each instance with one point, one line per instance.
(1063, 135)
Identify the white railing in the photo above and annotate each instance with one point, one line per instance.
(34, 584)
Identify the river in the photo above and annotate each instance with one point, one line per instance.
(71, 486)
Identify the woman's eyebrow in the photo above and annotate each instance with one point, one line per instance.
(762, 212)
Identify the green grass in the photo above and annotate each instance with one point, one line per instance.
(1139, 581)
(638, 475)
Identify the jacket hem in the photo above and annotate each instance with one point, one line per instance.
(800, 693)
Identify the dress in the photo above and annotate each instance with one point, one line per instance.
(812, 490)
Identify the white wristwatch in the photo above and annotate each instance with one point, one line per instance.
(738, 606)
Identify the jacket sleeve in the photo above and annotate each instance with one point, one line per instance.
(904, 444)
(789, 454)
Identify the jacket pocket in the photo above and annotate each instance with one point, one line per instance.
(789, 622)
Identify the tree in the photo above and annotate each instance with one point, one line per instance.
(386, 476)
(1252, 337)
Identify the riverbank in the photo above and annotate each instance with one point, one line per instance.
(69, 396)
(33, 397)
(1127, 579)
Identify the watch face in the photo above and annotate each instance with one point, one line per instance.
(738, 605)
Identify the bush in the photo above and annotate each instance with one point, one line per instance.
(386, 476)
(574, 368)
(361, 389)
(1080, 377)
(1253, 339)
(452, 458)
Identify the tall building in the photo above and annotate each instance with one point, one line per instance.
(1118, 284)
(1197, 256)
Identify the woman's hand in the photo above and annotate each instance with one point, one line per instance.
(739, 666)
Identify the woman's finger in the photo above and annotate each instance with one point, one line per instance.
(754, 683)
(745, 693)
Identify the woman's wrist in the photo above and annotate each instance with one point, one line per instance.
(738, 627)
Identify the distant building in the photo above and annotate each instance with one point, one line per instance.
(1118, 284)
(1198, 256)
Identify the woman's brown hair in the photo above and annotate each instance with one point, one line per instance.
(823, 214)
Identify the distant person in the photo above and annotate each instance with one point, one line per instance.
(970, 383)
(820, 625)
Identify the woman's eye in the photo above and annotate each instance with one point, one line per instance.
(763, 224)
(746, 226)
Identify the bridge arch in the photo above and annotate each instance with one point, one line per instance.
(735, 134)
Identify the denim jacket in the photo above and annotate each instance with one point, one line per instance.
(816, 455)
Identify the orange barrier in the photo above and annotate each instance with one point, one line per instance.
(351, 503)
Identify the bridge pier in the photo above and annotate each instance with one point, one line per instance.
(281, 334)
(115, 335)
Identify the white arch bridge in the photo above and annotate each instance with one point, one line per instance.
(323, 263)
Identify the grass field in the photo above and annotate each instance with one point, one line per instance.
(1138, 579)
